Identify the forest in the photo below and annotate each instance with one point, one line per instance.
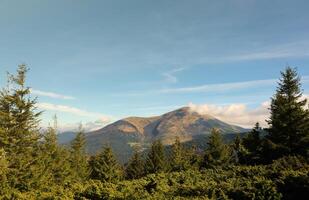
(265, 163)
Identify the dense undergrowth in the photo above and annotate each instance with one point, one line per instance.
(286, 178)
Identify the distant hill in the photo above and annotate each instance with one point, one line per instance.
(66, 137)
(188, 126)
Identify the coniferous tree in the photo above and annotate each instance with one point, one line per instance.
(78, 159)
(104, 166)
(217, 153)
(155, 161)
(178, 159)
(289, 120)
(135, 167)
(194, 159)
(20, 133)
(55, 159)
(3, 173)
(253, 144)
(239, 152)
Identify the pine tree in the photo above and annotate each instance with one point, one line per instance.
(155, 161)
(135, 166)
(289, 120)
(178, 160)
(78, 159)
(20, 133)
(104, 166)
(217, 153)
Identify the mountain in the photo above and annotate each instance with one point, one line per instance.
(66, 137)
(187, 125)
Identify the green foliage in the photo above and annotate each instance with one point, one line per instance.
(34, 166)
(155, 161)
(19, 131)
(54, 160)
(253, 144)
(78, 157)
(217, 153)
(180, 157)
(135, 168)
(289, 120)
(104, 166)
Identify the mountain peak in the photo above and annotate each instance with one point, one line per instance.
(184, 123)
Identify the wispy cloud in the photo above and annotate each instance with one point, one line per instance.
(73, 110)
(221, 87)
(170, 75)
(294, 49)
(51, 94)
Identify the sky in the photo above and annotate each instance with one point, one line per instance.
(97, 61)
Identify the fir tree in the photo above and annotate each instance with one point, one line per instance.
(78, 159)
(289, 120)
(238, 148)
(178, 159)
(104, 166)
(217, 153)
(3, 172)
(135, 166)
(55, 159)
(252, 141)
(20, 134)
(253, 145)
(155, 161)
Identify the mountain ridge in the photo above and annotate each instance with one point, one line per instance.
(125, 134)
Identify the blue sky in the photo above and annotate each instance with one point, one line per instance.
(94, 61)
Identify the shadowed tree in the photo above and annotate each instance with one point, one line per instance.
(289, 119)
(253, 143)
(179, 158)
(155, 161)
(135, 167)
(216, 153)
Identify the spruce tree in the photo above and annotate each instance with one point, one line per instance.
(289, 119)
(104, 166)
(216, 153)
(253, 145)
(3, 173)
(78, 159)
(178, 159)
(155, 161)
(55, 159)
(19, 133)
(135, 166)
(252, 141)
(238, 149)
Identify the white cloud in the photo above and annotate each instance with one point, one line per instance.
(87, 126)
(51, 94)
(238, 114)
(73, 110)
(170, 75)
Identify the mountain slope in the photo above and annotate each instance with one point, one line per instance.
(124, 134)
